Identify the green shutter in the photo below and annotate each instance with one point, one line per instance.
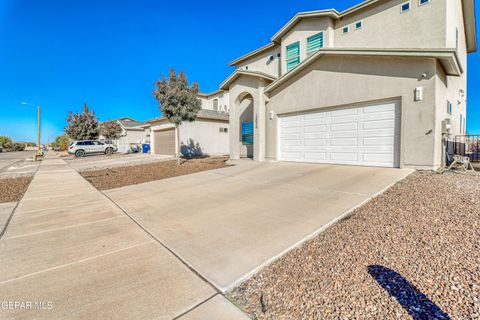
(292, 63)
(315, 42)
(293, 55)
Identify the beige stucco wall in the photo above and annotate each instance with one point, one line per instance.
(344, 81)
(384, 26)
(263, 63)
(201, 134)
(304, 29)
(223, 101)
(205, 136)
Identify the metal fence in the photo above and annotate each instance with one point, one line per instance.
(466, 145)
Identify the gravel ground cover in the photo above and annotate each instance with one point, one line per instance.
(12, 189)
(123, 176)
(412, 252)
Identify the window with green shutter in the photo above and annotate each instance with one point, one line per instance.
(293, 55)
(314, 43)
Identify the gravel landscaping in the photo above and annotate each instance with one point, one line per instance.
(412, 252)
(123, 176)
(12, 189)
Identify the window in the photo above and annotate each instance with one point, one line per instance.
(358, 25)
(314, 43)
(461, 123)
(345, 30)
(215, 104)
(224, 130)
(422, 2)
(449, 107)
(293, 56)
(405, 7)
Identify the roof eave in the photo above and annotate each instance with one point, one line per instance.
(277, 37)
(207, 95)
(252, 54)
(447, 57)
(470, 22)
(226, 84)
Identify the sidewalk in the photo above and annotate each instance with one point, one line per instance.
(70, 253)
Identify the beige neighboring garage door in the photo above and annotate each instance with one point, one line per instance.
(365, 135)
(165, 142)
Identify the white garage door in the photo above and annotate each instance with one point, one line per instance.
(366, 135)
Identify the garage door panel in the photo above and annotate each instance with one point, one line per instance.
(291, 130)
(378, 141)
(344, 142)
(292, 142)
(346, 126)
(315, 142)
(358, 136)
(378, 124)
(387, 108)
(315, 156)
(344, 112)
(344, 156)
(314, 116)
(316, 129)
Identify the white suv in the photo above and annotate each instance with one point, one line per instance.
(83, 147)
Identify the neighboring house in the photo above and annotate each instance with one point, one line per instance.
(375, 85)
(134, 134)
(216, 101)
(207, 135)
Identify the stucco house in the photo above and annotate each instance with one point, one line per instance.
(207, 135)
(134, 134)
(379, 84)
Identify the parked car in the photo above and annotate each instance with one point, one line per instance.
(83, 147)
(1, 148)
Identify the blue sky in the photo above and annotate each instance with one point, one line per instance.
(108, 54)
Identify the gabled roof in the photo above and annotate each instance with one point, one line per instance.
(261, 50)
(447, 57)
(237, 73)
(202, 114)
(129, 123)
(207, 95)
(213, 115)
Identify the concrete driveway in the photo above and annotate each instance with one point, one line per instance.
(70, 253)
(228, 223)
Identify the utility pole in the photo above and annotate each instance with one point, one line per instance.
(39, 154)
(38, 145)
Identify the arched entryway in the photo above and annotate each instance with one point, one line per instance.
(246, 126)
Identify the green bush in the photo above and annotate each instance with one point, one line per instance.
(17, 147)
(5, 142)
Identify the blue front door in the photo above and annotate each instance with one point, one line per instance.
(247, 133)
